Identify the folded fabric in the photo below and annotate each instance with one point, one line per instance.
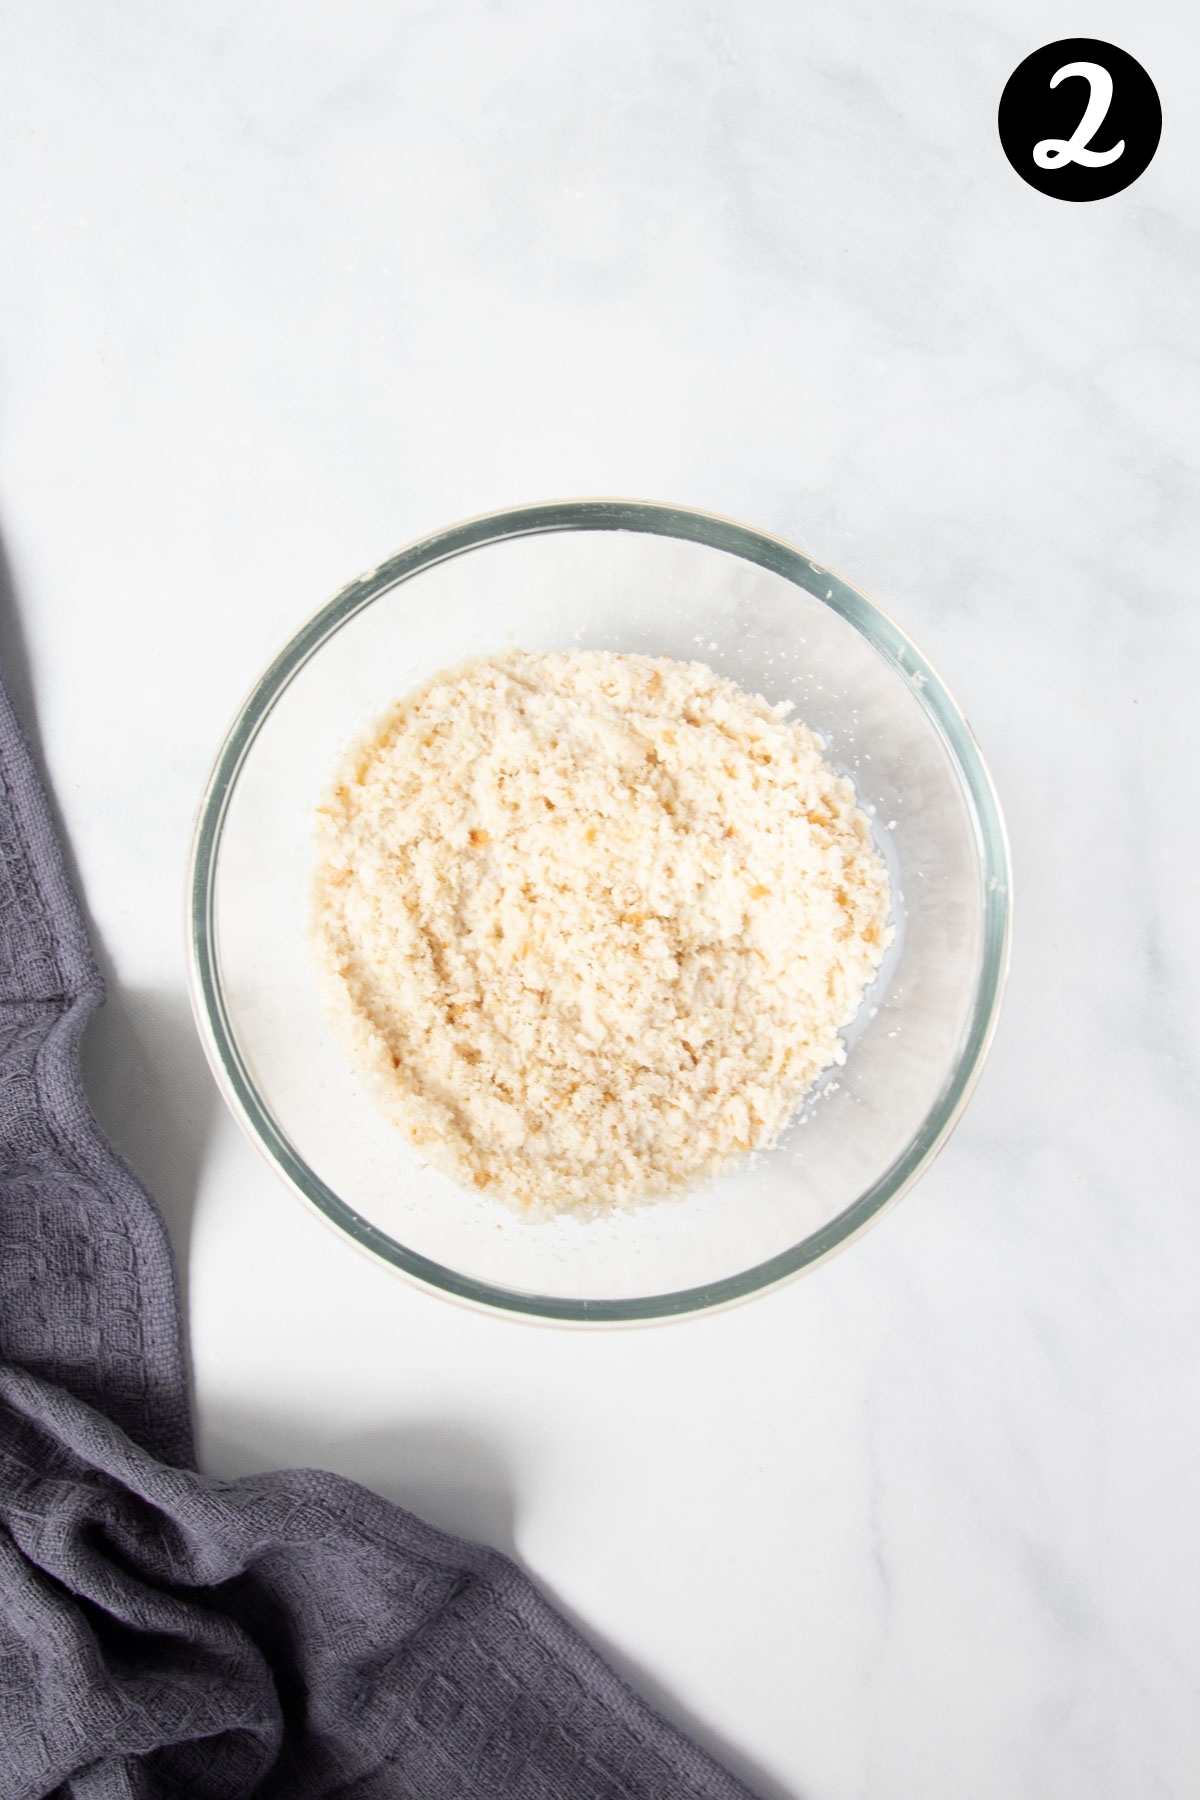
(165, 1634)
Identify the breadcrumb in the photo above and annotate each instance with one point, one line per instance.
(594, 921)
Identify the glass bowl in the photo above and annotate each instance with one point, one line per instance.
(618, 575)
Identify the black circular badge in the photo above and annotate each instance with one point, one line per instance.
(1079, 119)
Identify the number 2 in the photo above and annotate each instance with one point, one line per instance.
(1054, 153)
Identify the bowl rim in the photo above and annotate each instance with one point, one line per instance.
(719, 533)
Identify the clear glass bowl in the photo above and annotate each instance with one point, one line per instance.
(616, 575)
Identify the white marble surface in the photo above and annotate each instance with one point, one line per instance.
(286, 286)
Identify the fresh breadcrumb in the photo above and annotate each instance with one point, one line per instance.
(594, 921)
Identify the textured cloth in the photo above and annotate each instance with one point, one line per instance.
(162, 1633)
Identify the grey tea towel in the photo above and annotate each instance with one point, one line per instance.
(166, 1634)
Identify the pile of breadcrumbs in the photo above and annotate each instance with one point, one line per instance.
(595, 921)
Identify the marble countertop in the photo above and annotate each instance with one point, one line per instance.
(287, 287)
